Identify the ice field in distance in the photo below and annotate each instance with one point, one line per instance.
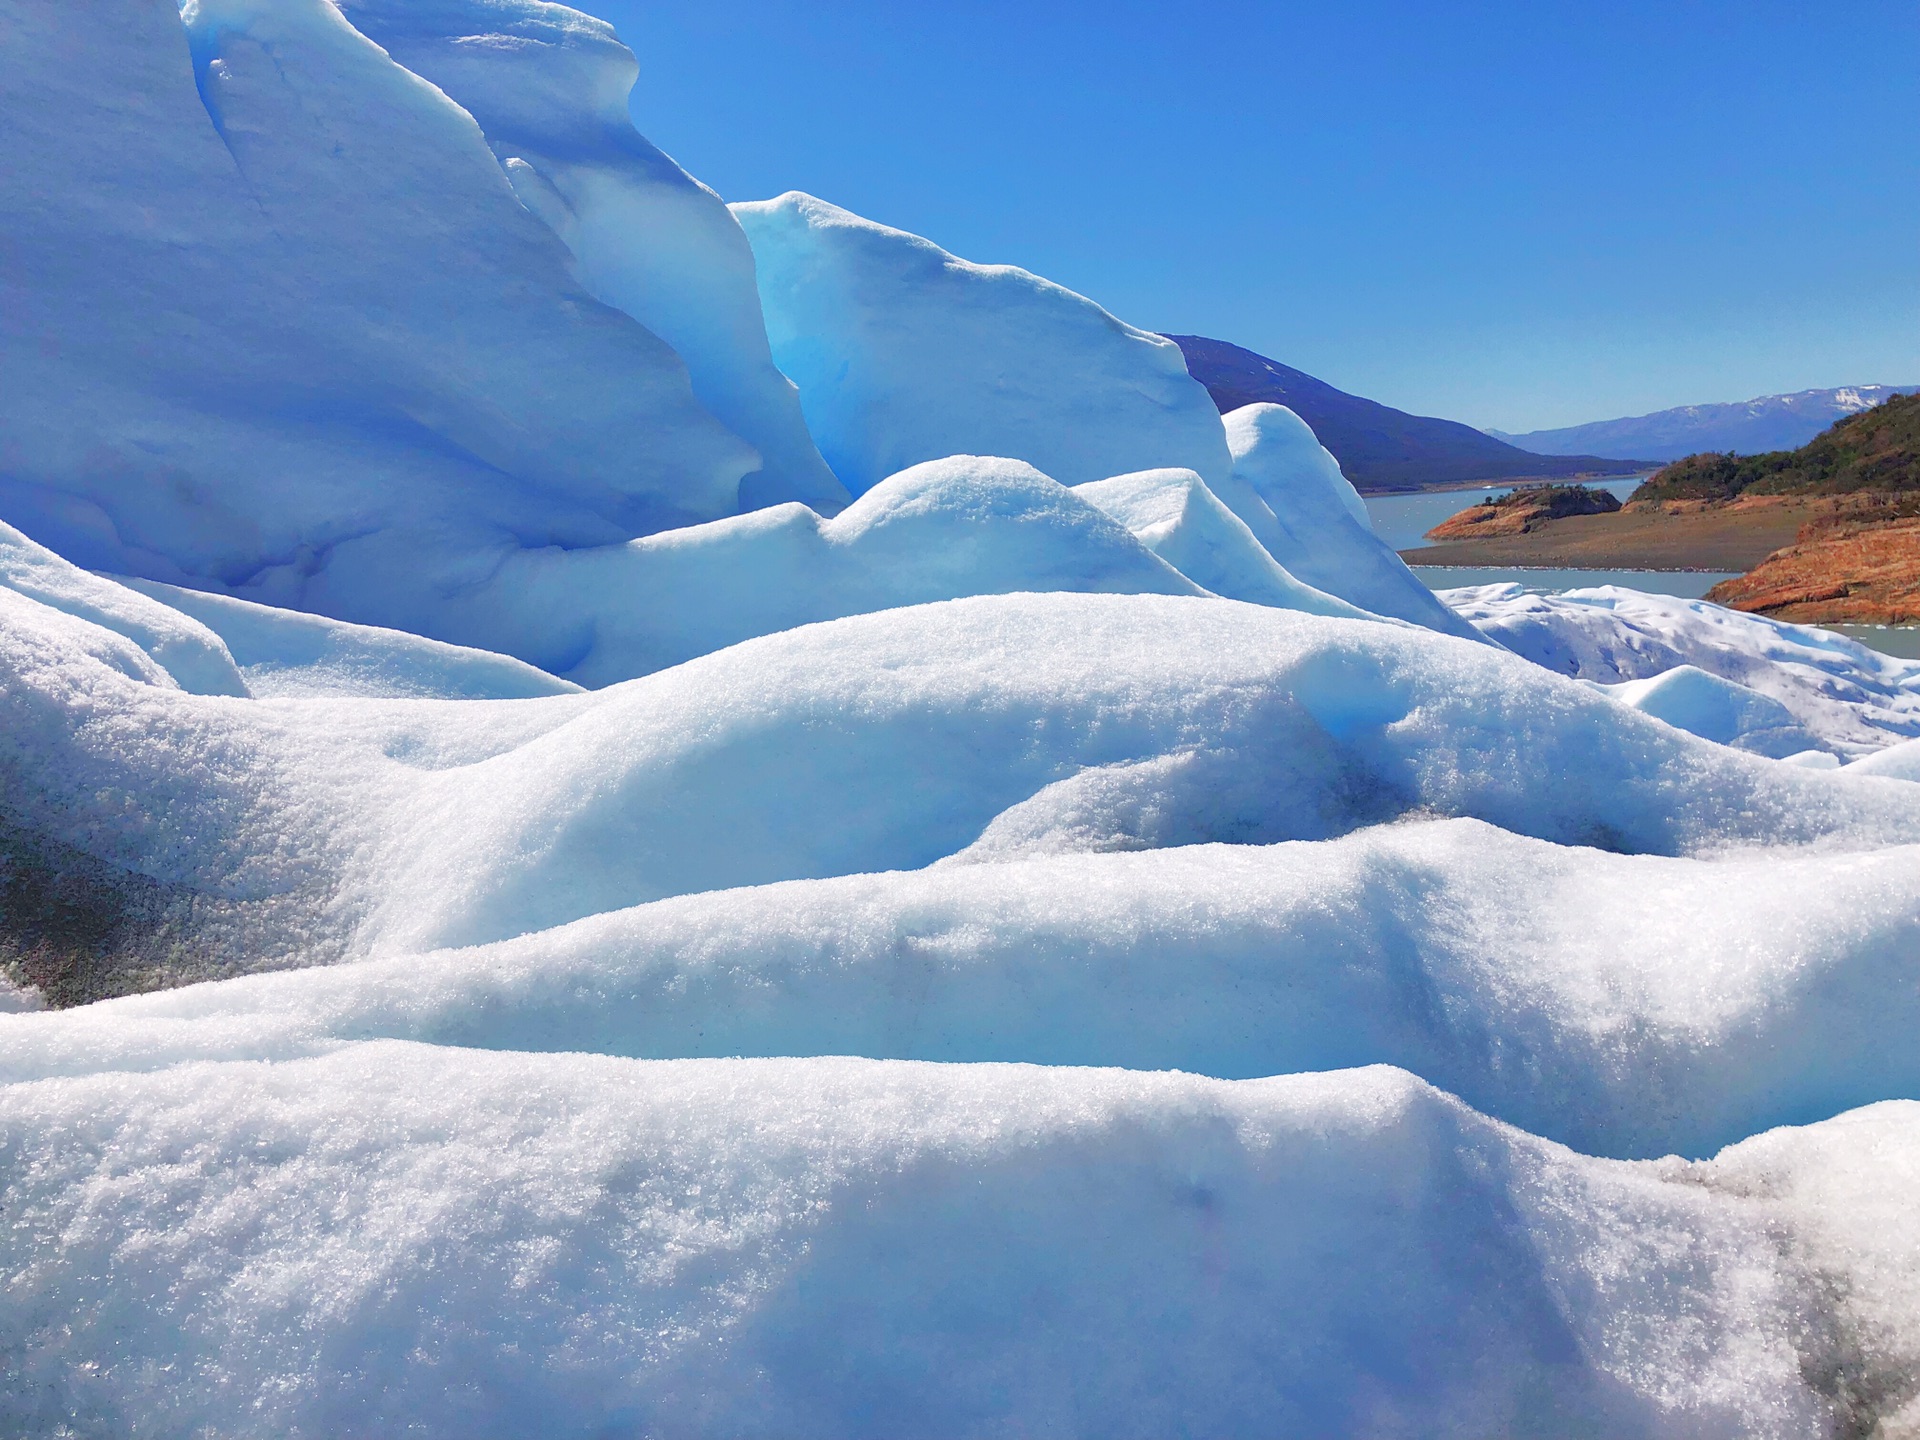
(624, 815)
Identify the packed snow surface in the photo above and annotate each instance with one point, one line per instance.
(1627, 1005)
(985, 728)
(407, 1238)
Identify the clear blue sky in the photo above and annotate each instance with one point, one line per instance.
(1513, 215)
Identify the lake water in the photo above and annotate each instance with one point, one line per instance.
(1403, 521)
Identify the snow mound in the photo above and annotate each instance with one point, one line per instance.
(1175, 515)
(1626, 1005)
(290, 653)
(453, 1243)
(983, 728)
(1716, 709)
(965, 525)
(277, 324)
(1291, 494)
(548, 86)
(904, 353)
(1853, 698)
(1899, 762)
(188, 653)
(1845, 1191)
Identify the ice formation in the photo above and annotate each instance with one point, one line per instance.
(1855, 699)
(904, 353)
(277, 323)
(1058, 944)
(548, 87)
(1289, 490)
(291, 653)
(1176, 516)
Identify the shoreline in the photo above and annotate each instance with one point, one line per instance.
(1414, 564)
(1444, 487)
(1728, 540)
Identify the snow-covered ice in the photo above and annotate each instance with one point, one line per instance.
(548, 86)
(289, 652)
(904, 353)
(1718, 709)
(1854, 698)
(1176, 516)
(405, 1238)
(1289, 490)
(980, 729)
(1045, 927)
(187, 652)
(1626, 1005)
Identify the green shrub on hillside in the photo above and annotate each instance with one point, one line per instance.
(1877, 449)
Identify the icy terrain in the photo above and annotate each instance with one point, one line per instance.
(557, 879)
(1851, 699)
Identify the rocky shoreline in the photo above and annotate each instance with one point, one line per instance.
(1840, 570)
(1834, 559)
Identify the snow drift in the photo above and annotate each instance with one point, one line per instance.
(986, 728)
(398, 1237)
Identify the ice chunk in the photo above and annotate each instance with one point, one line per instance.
(1854, 698)
(904, 353)
(1175, 515)
(1716, 709)
(402, 1239)
(276, 323)
(549, 88)
(1844, 1190)
(288, 652)
(1291, 494)
(190, 654)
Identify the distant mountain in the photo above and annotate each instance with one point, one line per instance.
(1378, 447)
(1875, 450)
(1752, 427)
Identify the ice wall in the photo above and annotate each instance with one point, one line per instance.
(905, 353)
(548, 87)
(276, 322)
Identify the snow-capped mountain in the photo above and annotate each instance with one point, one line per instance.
(626, 817)
(1750, 427)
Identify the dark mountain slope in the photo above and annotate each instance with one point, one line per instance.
(1378, 447)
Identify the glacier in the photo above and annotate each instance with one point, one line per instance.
(905, 353)
(624, 815)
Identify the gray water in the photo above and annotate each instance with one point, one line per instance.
(1403, 520)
